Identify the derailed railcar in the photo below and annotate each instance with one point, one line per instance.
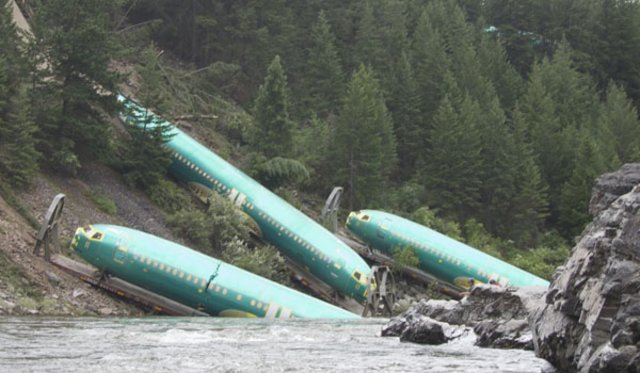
(294, 234)
(448, 260)
(192, 278)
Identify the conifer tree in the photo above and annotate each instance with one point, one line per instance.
(18, 157)
(145, 159)
(497, 173)
(576, 192)
(404, 105)
(364, 142)
(75, 91)
(451, 168)
(430, 65)
(325, 80)
(529, 203)
(393, 36)
(495, 66)
(551, 139)
(273, 132)
(616, 48)
(621, 118)
(368, 44)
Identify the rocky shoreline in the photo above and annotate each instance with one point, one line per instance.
(589, 318)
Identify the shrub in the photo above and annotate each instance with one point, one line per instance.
(264, 261)
(103, 202)
(193, 226)
(541, 261)
(168, 196)
(428, 218)
(404, 257)
(210, 231)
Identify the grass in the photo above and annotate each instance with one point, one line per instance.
(13, 201)
(102, 202)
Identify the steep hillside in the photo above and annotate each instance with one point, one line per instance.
(28, 284)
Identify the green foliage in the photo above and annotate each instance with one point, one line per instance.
(428, 218)
(18, 156)
(144, 159)
(576, 192)
(289, 195)
(273, 132)
(541, 261)
(404, 257)
(263, 261)
(325, 80)
(212, 230)
(407, 197)
(364, 143)
(314, 149)
(431, 65)
(478, 237)
(453, 178)
(192, 225)
(621, 117)
(279, 171)
(7, 194)
(529, 203)
(72, 50)
(404, 105)
(103, 202)
(168, 196)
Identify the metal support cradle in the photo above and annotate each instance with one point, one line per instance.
(48, 234)
(382, 296)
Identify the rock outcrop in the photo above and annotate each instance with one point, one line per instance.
(498, 317)
(590, 321)
(589, 318)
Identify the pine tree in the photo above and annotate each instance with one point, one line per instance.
(368, 45)
(74, 41)
(451, 169)
(496, 67)
(496, 169)
(273, 133)
(621, 118)
(18, 157)
(430, 65)
(576, 192)
(616, 47)
(529, 204)
(404, 105)
(364, 142)
(145, 158)
(325, 80)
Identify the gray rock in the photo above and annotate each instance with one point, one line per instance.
(424, 331)
(78, 293)
(53, 278)
(498, 314)
(509, 334)
(105, 311)
(394, 327)
(590, 318)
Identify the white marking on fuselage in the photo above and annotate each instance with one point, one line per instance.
(271, 312)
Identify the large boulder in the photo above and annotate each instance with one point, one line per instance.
(498, 314)
(590, 320)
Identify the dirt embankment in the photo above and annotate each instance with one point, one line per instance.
(30, 285)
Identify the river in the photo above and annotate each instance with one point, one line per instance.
(158, 344)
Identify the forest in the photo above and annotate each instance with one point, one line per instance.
(486, 120)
